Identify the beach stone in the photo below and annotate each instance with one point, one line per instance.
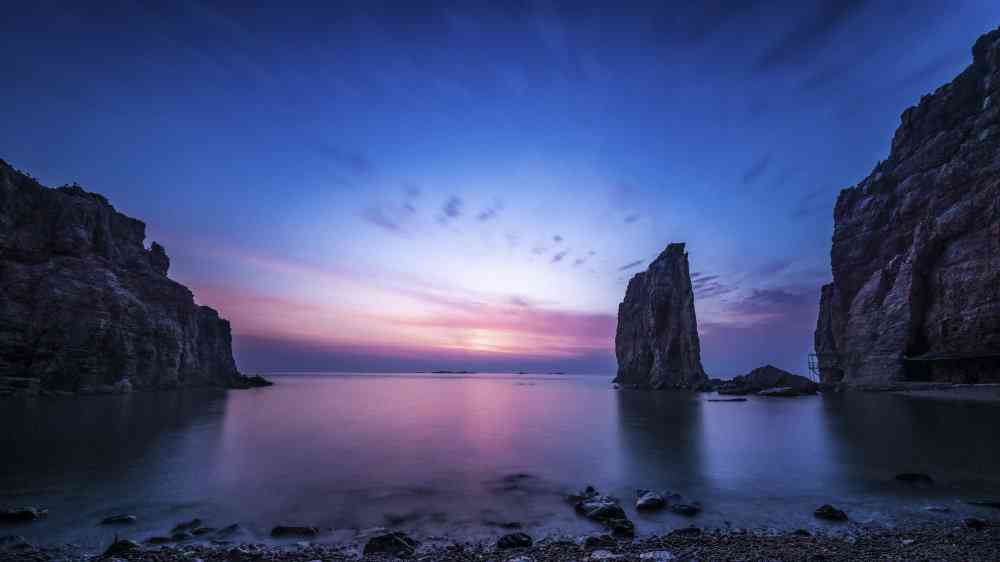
(21, 514)
(976, 523)
(600, 508)
(396, 543)
(830, 513)
(649, 500)
(514, 540)
(937, 509)
(657, 555)
(599, 541)
(294, 531)
(118, 520)
(520, 559)
(686, 509)
(801, 533)
(122, 546)
(686, 532)
(605, 555)
(621, 527)
(915, 478)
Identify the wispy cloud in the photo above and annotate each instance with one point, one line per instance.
(557, 239)
(630, 265)
(631, 218)
(490, 212)
(756, 169)
(559, 256)
(452, 209)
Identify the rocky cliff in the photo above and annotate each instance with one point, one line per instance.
(916, 245)
(657, 339)
(86, 307)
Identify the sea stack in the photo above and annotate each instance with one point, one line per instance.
(86, 307)
(657, 339)
(916, 245)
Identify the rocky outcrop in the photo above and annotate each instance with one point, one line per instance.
(769, 381)
(916, 245)
(86, 307)
(657, 340)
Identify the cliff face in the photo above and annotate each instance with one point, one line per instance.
(916, 245)
(85, 307)
(657, 339)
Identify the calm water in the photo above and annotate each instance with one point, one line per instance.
(429, 454)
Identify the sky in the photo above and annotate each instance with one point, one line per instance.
(393, 186)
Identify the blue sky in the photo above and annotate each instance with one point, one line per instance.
(396, 185)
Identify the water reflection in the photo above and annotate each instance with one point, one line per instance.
(460, 455)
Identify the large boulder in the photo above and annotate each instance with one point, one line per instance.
(916, 245)
(657, 342)
(86, 307)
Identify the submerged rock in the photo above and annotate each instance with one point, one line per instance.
(118, 520)
(600, 508)
(649, 500)
(514, 540)
(395, 543)
(830, 513)
(21, 514)
(916, 245)
(915, 478)
(657, 343)
(985, 503)
(294, 531)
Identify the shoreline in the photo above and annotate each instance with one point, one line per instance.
(973, 539)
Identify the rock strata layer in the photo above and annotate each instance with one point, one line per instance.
(916, 245)
(86, 307)
(657, 342)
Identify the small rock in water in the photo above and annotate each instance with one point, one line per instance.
(908, 542)
(649, 500)
(514, 540)
(187, 525)
(802, 533)
(937, 509)
(657, 555)
(915, 478)
(396, 543)
(976, 523)
(599, 541)
(21, 514)
(830, 513)
(520, 559)
(985, 503)
(294, 531)
(122, 546)
(584, 494)
(180, 536)
(118, 520)
(600, 508)
(689, 510)
(229, 531)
